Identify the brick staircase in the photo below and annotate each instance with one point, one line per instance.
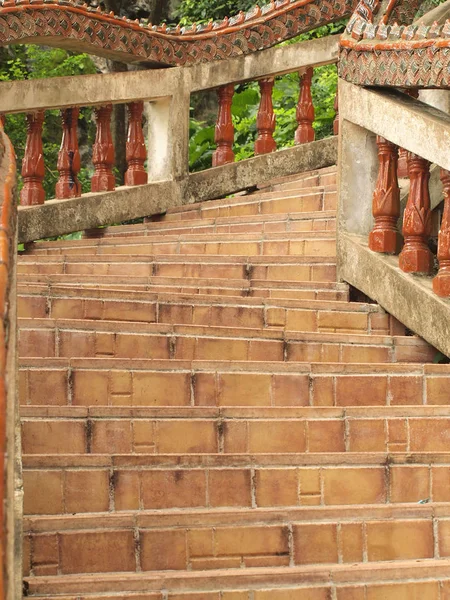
(207, 416)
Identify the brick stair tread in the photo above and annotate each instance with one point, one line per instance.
(125, 240)
(233, 516)
(59, 337)
(307, 578)
(221, 224)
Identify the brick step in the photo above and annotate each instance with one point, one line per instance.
(112, 382)
(319, 244)
(300, 221)
(87, 483)
(261, 268)
(312, 178)
(219, 287)
(400, 580)
(299, 199)
(295, 537)
(78, 338)
(64, 302)
(125, 430)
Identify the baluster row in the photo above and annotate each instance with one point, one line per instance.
(266, 120)
(103, 179)
(415, 255)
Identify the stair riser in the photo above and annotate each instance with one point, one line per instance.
(61, 386)
(276, 272)
(59, 491)
(232, 547)
(318, 247)
(406, 590)
(91, 344)
(233, 436)
(201, 313)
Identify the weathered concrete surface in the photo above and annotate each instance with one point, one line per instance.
(58, 217)
(409, 298)
(409, 123)
(238, 176)
(154, 84)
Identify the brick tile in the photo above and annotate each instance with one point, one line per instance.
(441, 484)
(276, 487)
(301, 320)
(235, 437)
(44, 555)
(399, 540)
(161, 389)
(90, 388)
(326, 436)
(87, 491)
(351, 593)
(290, 390)
(333, 321)
(367, 435)
(126, 490)
(352, 542)
(173, 489)
(251, 540)
(230, 487)
(163, 550)
(438, 390)
(276, 436)
(47, 387)
(200, 542)
(43, 492)
(361, 390)
(205, 389)
(186, 437)
(405, 390)
(354, 485)
(244, 390)
(315, 543)
(410, 483)
(53, 437)
(405, 591)
(111, 437)
(97, 552)
(430, 435)
(323, 391)
(322, 593)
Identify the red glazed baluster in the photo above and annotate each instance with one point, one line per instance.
(266, 119)
(403, 154)
(33, 167)
(305, 110)
(416, 256)
(441, 283)
(224, 137)
(69, 164)
(103, 179)
(136, 150)
(386, 200)
(336, 119)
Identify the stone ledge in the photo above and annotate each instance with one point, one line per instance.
(404, 296)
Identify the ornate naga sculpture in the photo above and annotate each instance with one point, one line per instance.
(384, 46)
(74, 25)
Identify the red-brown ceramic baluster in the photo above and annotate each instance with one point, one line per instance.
(403, 154)
(103, 179)
(305, 110)
(33, 167)
(224, 136)
(136, 150)
(336, 119)
(69, 163)
(441, 283)
(266, 120)
(416, 256)
(384, 236)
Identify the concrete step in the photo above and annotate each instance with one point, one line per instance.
(64, 302)
(298, 199)
(281, 268)
(190, 285)
(399, 580)
(297, 537)
(86, 338)
(118, 382)
(58, 484)
(276, 223)
(317, 244)
(126, 430)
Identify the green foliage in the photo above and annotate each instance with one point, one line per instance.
(199, 11)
